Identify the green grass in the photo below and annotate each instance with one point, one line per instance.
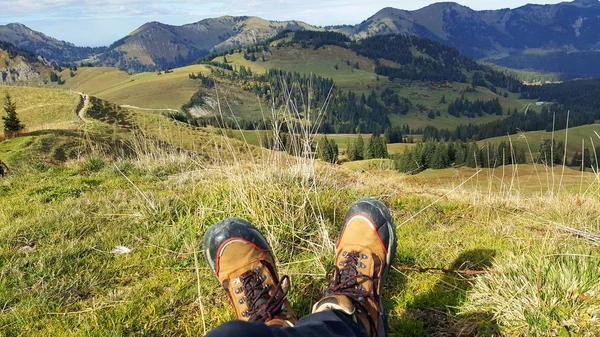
(39, 107)
(322, 62)
(61, 222)
(146, 90)
(573, 138)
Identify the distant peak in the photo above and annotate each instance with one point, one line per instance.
(584, 3)
(16, 25)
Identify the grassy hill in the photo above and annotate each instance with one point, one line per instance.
(153, 185)
(573, 138)
(39, 107)
(350, 71)
(153, 91)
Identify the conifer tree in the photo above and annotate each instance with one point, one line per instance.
(360, 147)
(327, 150)
(11, 121)
(351, 151)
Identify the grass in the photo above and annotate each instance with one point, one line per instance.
(254, 137)
(323, 61)
(576, 135)
(62, 222)
(320, 62)
(146, 90)
(39, 107)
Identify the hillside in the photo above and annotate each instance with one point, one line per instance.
(102, 230)
(574, 139)
(38, 43)
(412, 82)
(559, 38)
(40, 108)
(156, 45)
(164, 92)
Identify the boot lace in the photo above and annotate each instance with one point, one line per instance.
(348, 281)
(261, 305)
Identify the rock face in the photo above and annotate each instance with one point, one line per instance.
(19, 72)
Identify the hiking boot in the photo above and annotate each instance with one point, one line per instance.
(241, 258)
(364, 253)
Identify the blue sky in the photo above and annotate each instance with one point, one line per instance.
(96, 23)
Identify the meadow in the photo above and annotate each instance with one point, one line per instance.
(39, 107)
(574, 138)
(106, 242)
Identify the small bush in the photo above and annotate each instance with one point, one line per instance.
(59, 154)
(93, 165)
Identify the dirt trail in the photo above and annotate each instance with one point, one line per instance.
(83, 110)
(147, 109)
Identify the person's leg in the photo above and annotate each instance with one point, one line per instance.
(329, 323)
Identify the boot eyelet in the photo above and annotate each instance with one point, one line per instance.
(236, 281)
(257, 270)
(362, 265)
(264, 277)
(241, 301)
(364, 257)
(238, 290)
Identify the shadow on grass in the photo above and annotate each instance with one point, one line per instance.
(434, 313)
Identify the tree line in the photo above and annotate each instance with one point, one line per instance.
(434, 154)
(442, 154)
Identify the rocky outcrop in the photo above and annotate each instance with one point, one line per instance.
(15, 71)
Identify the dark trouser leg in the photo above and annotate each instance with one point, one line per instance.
(329, 323)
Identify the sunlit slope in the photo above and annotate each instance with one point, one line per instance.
(40, 107)
(146, 90)
(340, 64)
(574, 137)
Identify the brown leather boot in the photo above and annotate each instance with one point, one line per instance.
(241, 258)
(364, 253)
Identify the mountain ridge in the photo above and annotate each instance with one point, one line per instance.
(33, 41)
(561, 37)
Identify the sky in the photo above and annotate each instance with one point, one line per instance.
(99, 23)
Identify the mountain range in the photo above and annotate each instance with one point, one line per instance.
(562, 38)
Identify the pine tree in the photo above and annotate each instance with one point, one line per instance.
(360, 147)
(351, 151)
(11, 121)
(576, 160)
(587, 159)
(327, 150)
